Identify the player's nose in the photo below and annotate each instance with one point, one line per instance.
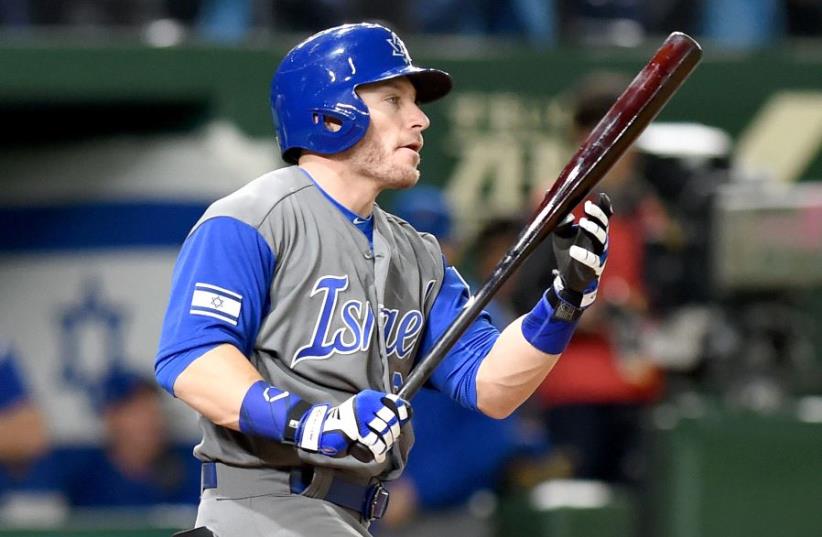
(419, 120)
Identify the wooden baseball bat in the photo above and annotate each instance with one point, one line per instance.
(638, 105)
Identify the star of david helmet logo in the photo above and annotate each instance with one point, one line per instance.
(398, 48)
(216, 301)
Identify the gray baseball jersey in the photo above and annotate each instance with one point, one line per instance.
(337, 316)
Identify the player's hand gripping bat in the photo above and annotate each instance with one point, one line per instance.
(638, 105)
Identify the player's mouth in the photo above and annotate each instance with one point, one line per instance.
(413, 146)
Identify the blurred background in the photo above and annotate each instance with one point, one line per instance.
(689, 403)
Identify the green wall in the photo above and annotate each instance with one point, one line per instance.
(726, 90)
(499, 137)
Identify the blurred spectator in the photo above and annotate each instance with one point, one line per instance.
(804, 18)
(535, 20)
(743, 24)
(426, 208)
(23, 434)
(660, 17)
(14, 13)
(604, 22)
(315, 15)
(490, 245)
(432, 496)
(225, 21)
(93, 13)
(595, 395)
(731, 23)
(137, 465)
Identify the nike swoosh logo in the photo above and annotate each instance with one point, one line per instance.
(277, 397)
(359, 221)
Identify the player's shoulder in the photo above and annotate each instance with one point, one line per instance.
(255, 201)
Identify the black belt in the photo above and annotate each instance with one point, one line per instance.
(370, 500)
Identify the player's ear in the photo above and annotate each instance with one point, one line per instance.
(330, 123)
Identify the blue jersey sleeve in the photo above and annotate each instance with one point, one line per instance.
(12, 389)
(219, 294)
(456, 376)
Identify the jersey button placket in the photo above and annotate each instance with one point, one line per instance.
(380, 324)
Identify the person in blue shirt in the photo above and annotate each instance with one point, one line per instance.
(137, 465)
(23, 432)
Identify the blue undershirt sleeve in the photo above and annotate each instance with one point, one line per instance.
(456, 376)
(219, 294)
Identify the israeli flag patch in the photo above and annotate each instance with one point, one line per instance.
(216, 302)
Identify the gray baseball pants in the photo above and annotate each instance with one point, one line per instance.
(252, 502)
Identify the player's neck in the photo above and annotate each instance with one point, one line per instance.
(357, 194)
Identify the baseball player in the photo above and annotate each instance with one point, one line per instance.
(298, 306)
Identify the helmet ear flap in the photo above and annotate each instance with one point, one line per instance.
(336, 127)
(332, 121)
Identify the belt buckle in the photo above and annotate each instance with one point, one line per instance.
(377, 503)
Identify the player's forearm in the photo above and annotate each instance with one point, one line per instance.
(216, 383)
(510, 373)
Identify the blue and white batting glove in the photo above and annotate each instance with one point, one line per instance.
(370, 418)
(581, 251)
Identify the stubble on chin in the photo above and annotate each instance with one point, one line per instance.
(374, 162)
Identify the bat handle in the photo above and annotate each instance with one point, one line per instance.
(361, 453)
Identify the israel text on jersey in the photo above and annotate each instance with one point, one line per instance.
(356, 318)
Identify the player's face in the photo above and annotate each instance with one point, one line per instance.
(390, 150)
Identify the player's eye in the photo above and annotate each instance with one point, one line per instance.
(393, 99)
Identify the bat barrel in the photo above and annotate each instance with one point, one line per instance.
(626, 119)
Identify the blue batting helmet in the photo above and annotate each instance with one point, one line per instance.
(317, 80)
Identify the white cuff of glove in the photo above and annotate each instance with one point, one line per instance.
(313, 428)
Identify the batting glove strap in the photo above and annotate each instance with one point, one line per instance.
(292, 423)
(310, 431)
(562, 303)
(568, 304)
(549, 328)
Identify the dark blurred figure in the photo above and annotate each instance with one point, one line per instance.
(23, 434)
(490, 245)
(136, 467)
(224, 21)
(595, 396)
(532, 20)
(660, 17)
(603, 22)
(14, 13)
(315, 15)
(93, 13)
(804, 18)
(743, 24)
